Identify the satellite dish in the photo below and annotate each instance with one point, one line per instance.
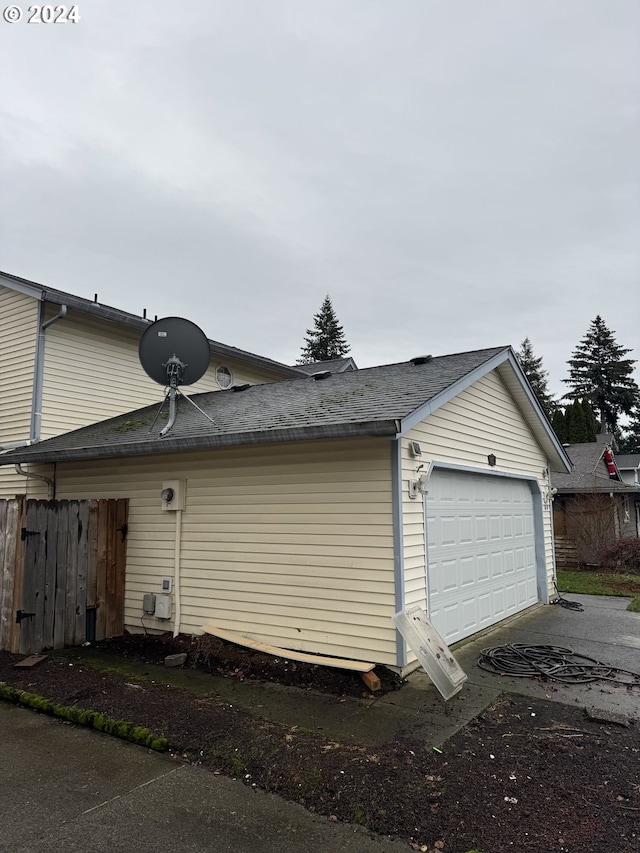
(174, 351)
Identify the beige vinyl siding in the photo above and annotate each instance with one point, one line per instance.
(92, 372)
(18, 336)
(483, 419)
(241, 373)
(290, 544)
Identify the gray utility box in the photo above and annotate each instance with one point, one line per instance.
(149, 604)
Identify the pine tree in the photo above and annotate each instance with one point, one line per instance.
(537, 376)
(326, 340)
(599, 373)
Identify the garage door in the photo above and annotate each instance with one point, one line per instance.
(481, 551)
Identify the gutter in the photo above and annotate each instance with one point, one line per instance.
(38, 378)
(176, 444)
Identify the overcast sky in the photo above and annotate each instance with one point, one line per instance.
(456, 174)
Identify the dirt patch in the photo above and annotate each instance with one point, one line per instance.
(210, 654)
(525, 775)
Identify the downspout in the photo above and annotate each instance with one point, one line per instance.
(176, 574)
(38, 378)
(51, 483)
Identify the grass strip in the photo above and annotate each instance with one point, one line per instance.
(601, 583)
(84, 717)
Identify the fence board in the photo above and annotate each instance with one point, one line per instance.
(119, 534)
(111, 568)
(92, 579)
(72, 576)
(39, 574)
(30, 580)
(61, 575)
(9, 517)
(80, 632)
(19, 574)
(101, 572)
(50, 576)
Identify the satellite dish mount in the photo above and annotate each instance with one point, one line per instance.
(163, 346)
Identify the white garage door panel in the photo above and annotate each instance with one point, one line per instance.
(480, 537)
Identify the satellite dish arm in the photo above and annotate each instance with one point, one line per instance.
(173, 409)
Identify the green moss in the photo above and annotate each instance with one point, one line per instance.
(634, 604)
(230, 758)
(129, 425)
(359, 816)
(82, 716)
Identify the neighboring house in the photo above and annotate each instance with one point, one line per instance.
(593, 504)
(628, 464)
(312, 510)
(66, 362)
(334, 365)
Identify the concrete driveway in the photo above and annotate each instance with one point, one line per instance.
(113, 796)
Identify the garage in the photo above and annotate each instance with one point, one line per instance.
(481, 564)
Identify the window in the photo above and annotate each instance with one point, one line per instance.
(224, 377)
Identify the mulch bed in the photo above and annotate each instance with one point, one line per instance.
(527, 775)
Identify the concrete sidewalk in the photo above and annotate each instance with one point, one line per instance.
(74, 790)
(113, 796)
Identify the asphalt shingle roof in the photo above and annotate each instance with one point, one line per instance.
(335, 365)
(590, 472)
(360, 402)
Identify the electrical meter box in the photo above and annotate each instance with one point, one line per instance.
(163, 607)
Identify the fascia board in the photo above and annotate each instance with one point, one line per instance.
(21, 285)
(551, 442)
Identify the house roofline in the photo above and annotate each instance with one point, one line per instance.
(134, 321)
(544, 433)
(370, 429)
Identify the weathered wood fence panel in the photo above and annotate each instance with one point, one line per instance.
(62, 572)
(10, 513)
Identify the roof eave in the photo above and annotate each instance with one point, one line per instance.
(506, 363)
(375, 429)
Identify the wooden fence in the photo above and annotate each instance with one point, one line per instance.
(62, 572)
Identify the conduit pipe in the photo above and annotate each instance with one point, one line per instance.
(176, 574)
(51, 483)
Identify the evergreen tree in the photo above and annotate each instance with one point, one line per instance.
(629, 441)
(326, 340)
(559, 425)
(599, 373)
(576, 423)
(537, 376)
(593, 427)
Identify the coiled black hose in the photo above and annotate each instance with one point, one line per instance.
(552, 662)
